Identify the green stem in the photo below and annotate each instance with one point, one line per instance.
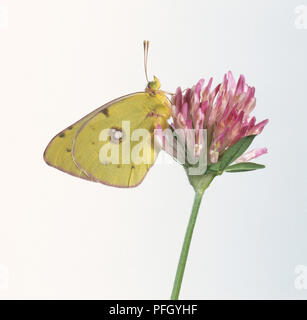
(200, 184)
(186, 246)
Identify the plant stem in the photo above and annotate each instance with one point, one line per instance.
(186, 245)
(200, 184)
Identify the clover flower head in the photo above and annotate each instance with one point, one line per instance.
(223, 111)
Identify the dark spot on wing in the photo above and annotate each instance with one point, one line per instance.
(62, 135)
(132, 167)
(105, 112)
(93, 142)
(70, 128)
(68, 150)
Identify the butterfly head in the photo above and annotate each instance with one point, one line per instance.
(154, 85)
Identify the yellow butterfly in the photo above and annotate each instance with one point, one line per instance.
(107, 145)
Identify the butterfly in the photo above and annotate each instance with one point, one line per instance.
(107, 145)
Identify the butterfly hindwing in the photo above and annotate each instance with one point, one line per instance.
(58, 152)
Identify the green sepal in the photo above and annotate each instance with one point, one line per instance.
(244, 166)
(214, 168)
(231, 154)
(235, 151)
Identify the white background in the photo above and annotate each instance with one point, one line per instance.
(62, 237)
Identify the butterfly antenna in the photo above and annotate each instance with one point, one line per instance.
(146, 46)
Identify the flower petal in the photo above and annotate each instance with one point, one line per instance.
(251, 155)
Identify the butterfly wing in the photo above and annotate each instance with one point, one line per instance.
(58, 153)
(123, 160)
(77, 150)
